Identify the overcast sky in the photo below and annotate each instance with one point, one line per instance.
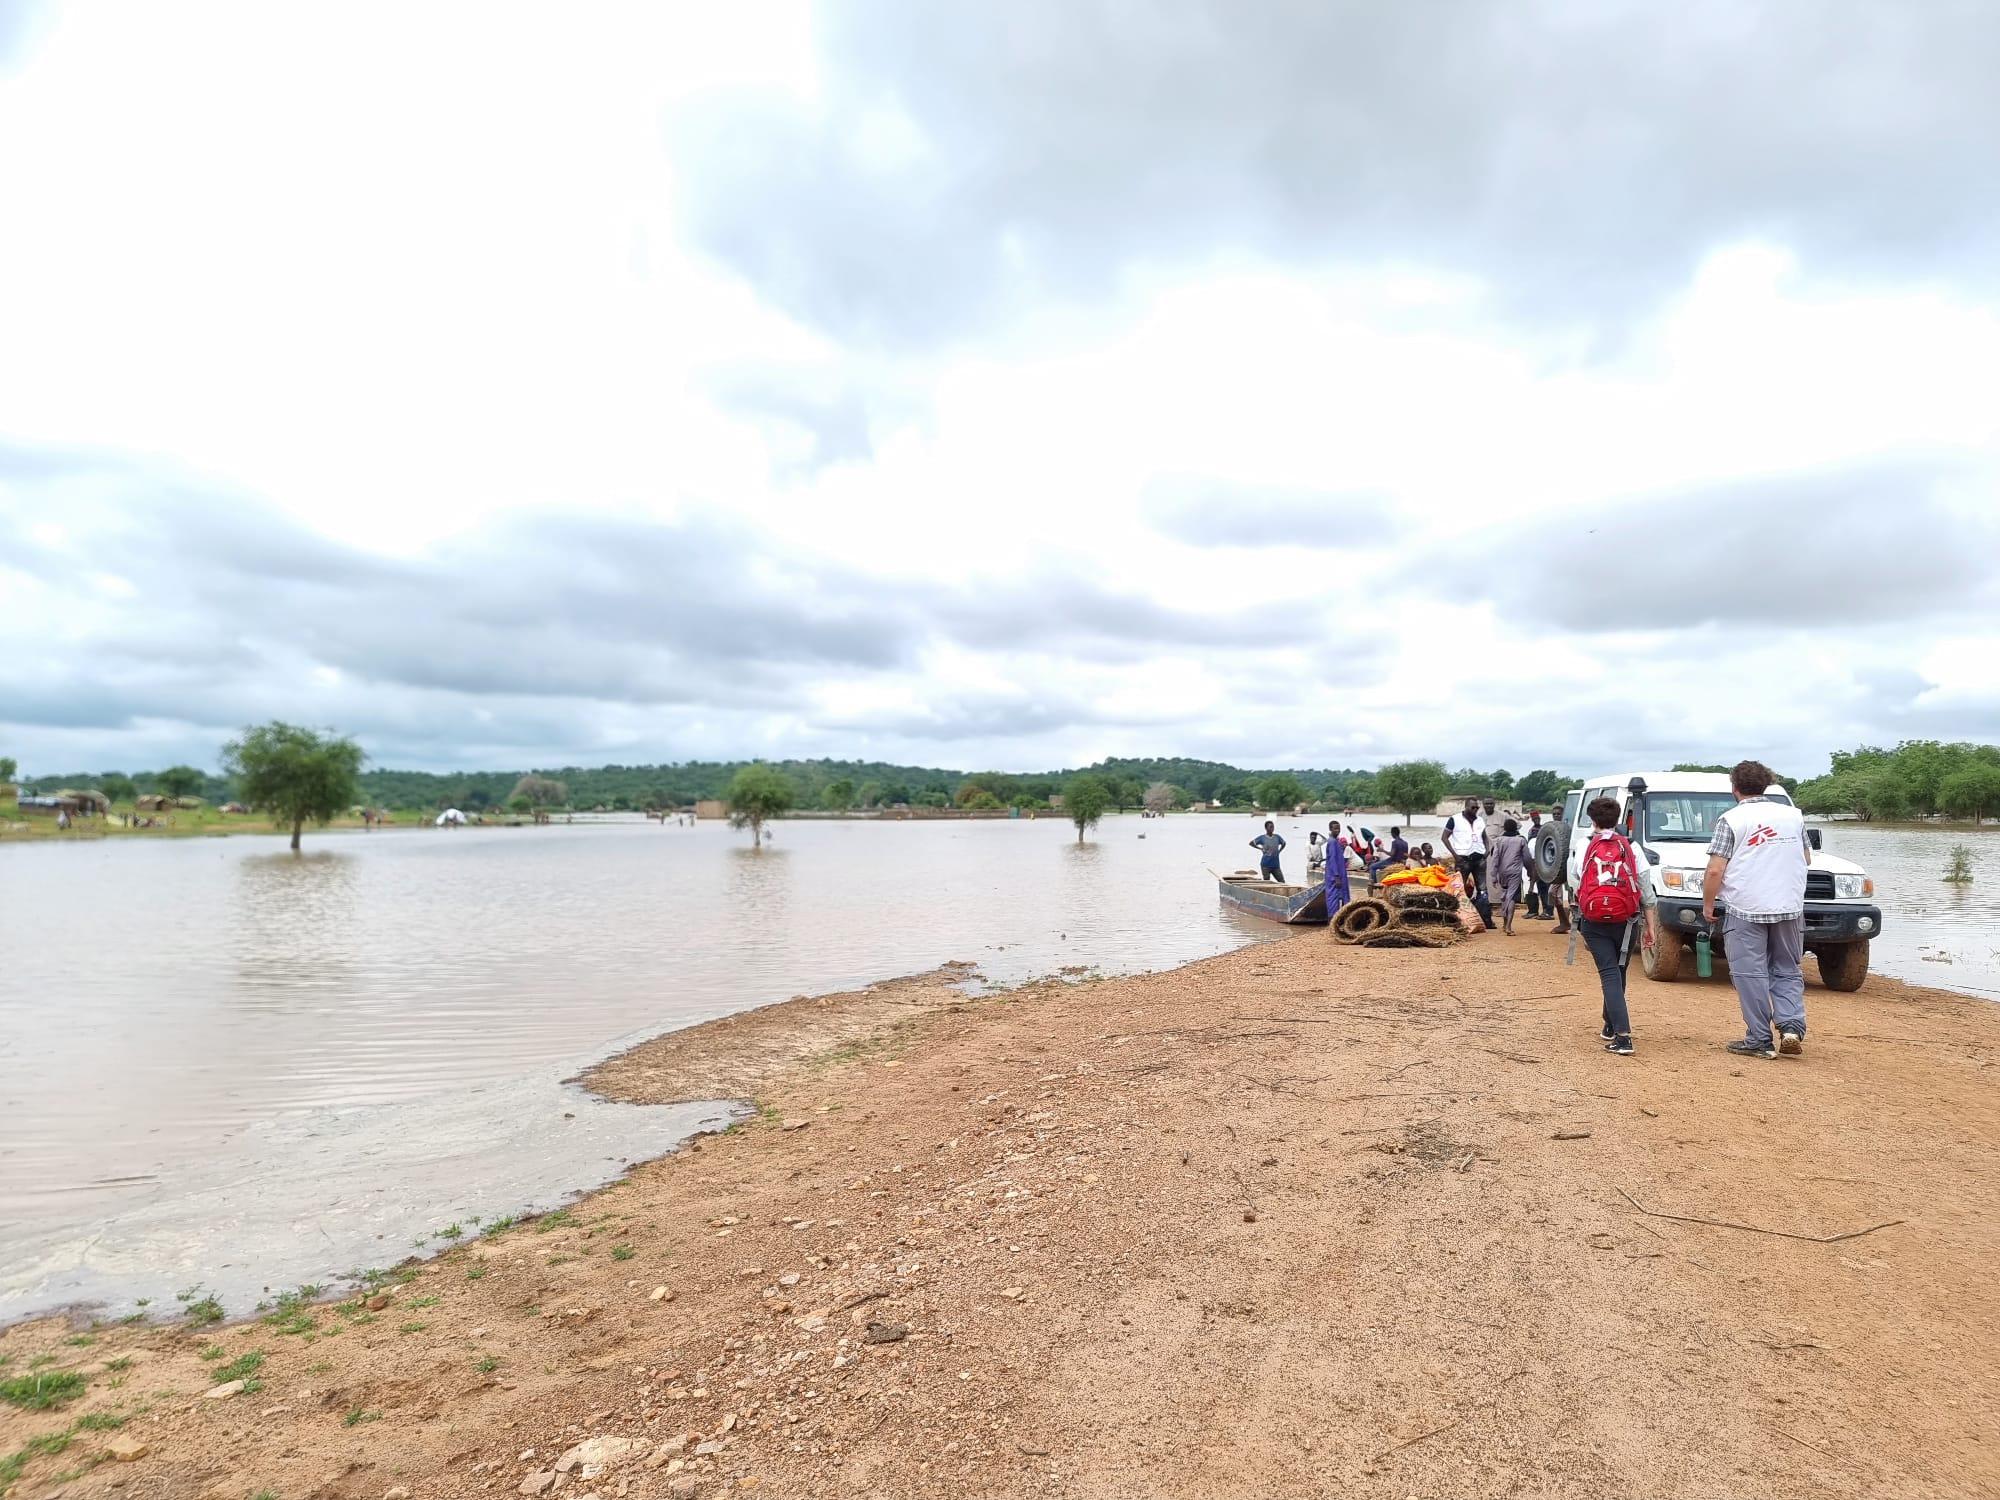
(1000, 386)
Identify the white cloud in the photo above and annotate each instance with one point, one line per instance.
(427, 281)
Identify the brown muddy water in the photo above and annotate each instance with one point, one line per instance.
(227, 1065)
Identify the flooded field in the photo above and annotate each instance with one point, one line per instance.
(231, 1065)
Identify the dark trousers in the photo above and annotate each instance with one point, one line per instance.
(1473, 868)
(1603, 939)
(1268, 865)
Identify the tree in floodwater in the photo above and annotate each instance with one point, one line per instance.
(1162, 797)
(1411, 786)
(296, 775)
(1085, 800)
(1280, 792)
(757, 794)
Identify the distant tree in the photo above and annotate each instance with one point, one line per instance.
(1162, 797)
(541, 791)
(1971, 793)
(838, 796)
(1085, 800)
(8, 766)
(182, 781)
(894, 792)
(757, 794)
(967, 790)
(1541, 788)
(870, 794)
(1126, 791)
(519, 805)
(1204, 786)
(479, 797)
(116, 785)
(929, 799)
(981, 800)
(1282, 790)
(296, 775)
(1236, 793)
(1412, 786)
(1502, 782)
(1361, 791)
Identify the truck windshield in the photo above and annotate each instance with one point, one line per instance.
(1684, 817)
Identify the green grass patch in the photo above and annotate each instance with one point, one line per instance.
(622, 1252)
(413, 1327)
(241, 1368)
(10, 1470)
(81, 1340)
(213, 1351)
(49, 1444)
(487, 1365)
(118, 1365)
(502, 1224)
(292, 1324)
(423, 1302)
(562, 1218)
(40, 1392)
(357, 1416)
(451, 1232)
(474, 1272)
(203, 1312)
(100, 1421)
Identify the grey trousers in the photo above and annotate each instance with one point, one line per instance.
(1764, 962)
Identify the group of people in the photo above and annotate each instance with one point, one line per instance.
(1491, 851)
(1758, 859)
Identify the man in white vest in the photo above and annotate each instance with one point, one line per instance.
(1757, 868)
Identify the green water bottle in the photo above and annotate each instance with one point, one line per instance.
(1704, 960)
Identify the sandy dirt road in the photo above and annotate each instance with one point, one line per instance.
(1298, 1221)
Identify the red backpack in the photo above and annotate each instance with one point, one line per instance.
(1609, 890)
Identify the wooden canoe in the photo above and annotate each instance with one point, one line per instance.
(1297, 905)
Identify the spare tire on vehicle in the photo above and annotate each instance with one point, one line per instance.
(1548, 856)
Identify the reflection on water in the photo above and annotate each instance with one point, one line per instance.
(311, 1059)
(233, 1053)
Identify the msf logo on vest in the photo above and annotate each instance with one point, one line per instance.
(1765, 834)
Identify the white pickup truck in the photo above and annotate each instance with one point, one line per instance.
(1670, 816)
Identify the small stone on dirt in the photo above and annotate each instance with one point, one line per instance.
(1249, 1216)
(796, 1123)
(222, 1392)
(396, 1492)
(601, 1453)
(660, 1294)
(1012, 1293)
(682, 1487)
(886, 1333)
(125, 1449)
(1571, 1135)
(537, 1482)
(379, 1301)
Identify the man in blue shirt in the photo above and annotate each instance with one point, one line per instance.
(1271, 844)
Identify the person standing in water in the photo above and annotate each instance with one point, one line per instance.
(1270, 844)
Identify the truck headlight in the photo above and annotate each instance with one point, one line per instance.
(1852, 887)
(1676, 880)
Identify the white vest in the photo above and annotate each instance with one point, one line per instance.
(1766, 875)
(1468, 835)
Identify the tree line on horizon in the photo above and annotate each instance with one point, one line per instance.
(1917, 778)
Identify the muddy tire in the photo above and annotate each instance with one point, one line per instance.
(1660, 949)
(1842, 966)
(1548, 856)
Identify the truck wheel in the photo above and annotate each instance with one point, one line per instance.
(1548, 860)
(1843, 966)
(1659, 951)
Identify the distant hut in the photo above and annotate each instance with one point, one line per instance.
(234, 807)
(90, 803)
(152, 802)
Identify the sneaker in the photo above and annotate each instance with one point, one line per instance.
(1751, 1048)
(1791, 1043)
(1622, 1045)
(1604, 1034)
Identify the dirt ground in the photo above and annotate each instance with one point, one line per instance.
(1302, 1220)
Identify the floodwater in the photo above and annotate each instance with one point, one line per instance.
(229, 1065)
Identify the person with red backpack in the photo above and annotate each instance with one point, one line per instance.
(1607, 903)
